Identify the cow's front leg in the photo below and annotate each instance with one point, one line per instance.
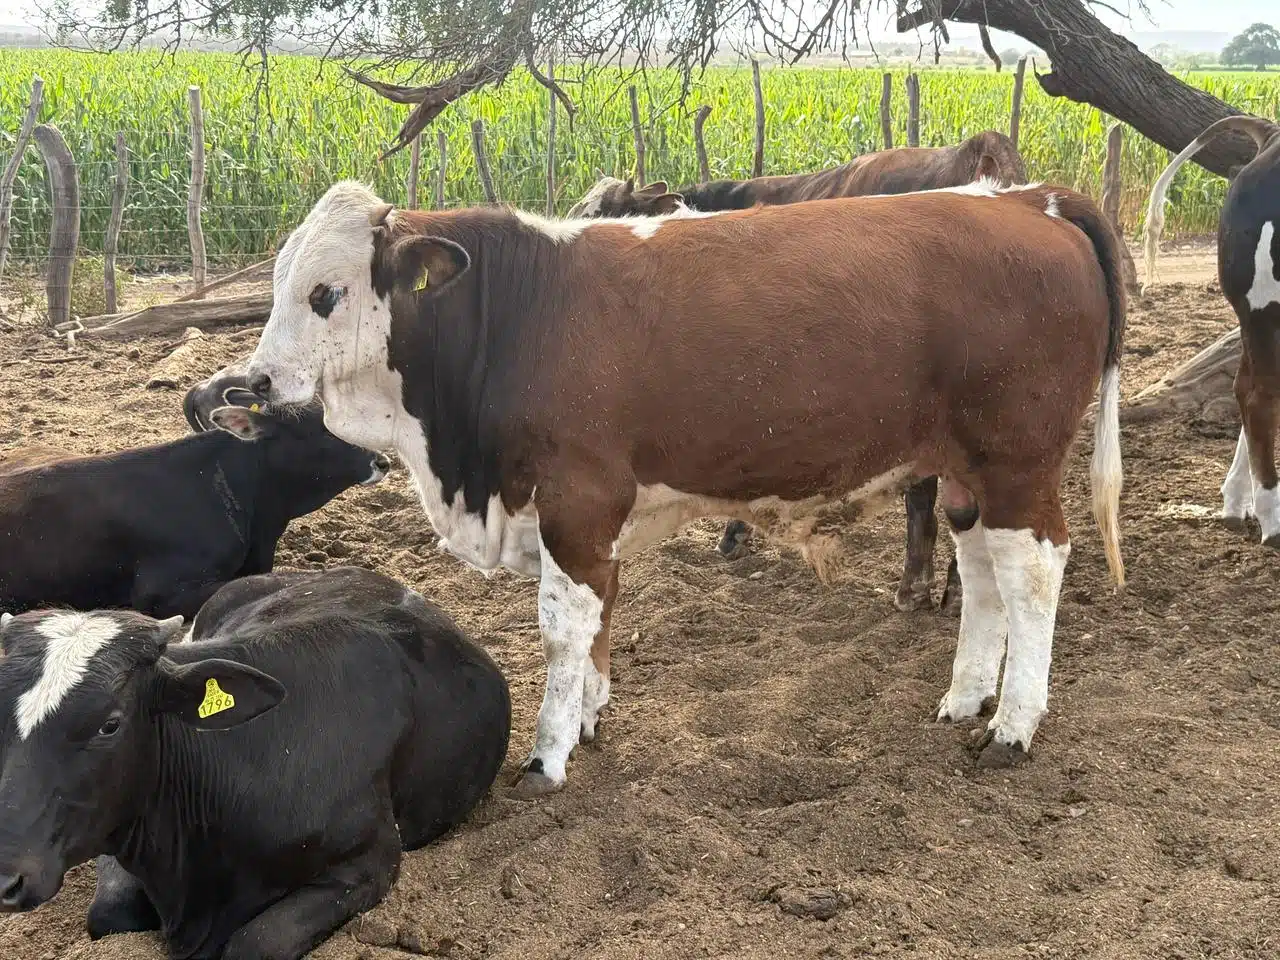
(576, 579)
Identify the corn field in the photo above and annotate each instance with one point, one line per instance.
(270, 158)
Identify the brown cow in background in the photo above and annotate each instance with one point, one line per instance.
(989, 154)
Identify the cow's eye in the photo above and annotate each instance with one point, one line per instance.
(324, 298)
(109, 728)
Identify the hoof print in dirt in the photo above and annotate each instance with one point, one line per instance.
(993, 755)
(810, 903)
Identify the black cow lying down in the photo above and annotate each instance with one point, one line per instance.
(158, 529)
(353, 719)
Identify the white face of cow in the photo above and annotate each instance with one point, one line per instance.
(328, 326)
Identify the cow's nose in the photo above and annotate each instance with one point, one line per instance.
(11, 890)
(260, 384)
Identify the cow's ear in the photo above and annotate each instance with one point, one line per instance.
(215, 694)
(665, 203)
(653, 190)
(245, 423)
(427, 264)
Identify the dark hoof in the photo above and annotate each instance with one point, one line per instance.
(1272, 541)
(910, 599)
(733, 545)
(952, 601)
(532, 785)
(1235, 524)
(1000, 756)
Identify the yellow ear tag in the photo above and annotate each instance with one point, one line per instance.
(216, 700)
(255, 407)
(422, 283)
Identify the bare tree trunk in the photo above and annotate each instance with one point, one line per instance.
(1203, 386)
(112, 241)
(64, 235)
(15, 161)
(1105, 70)
(699, 120)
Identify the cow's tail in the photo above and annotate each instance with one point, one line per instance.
(1107, 472)
(1256, 127)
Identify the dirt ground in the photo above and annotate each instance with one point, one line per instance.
(769, 782)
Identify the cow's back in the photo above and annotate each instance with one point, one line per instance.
(855, 320)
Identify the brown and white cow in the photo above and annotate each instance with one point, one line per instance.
(989, 155)
(552, 387)
(900, 170)
(1249, 273)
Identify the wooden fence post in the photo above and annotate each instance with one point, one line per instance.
(1015, 110)
(15, 161)
(638, 133)
(886, 111)
(64, 235)
(913, 109)
(199, 259)
(699, 120)
(757, 160)
(442, 145)
(482, 161)
(1111, 184)
(415, 163)
(1112, 190)
(112, 241)
(551, 139)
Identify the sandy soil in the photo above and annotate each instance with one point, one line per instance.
(769, 782)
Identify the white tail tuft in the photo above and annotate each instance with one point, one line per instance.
(1107, 473)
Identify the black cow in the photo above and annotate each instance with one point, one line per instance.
(1249, 273)
(158, 529)
(355, 719)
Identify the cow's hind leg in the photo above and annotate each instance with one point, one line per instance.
(1029, 550)
(915, 590)
(983, 626)
(1257, 386)
(1237, 488)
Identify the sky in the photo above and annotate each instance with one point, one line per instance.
(1227, 16)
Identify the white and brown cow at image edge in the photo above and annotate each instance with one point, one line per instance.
(550, 385)
(1249, 274)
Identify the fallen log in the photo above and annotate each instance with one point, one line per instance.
(1203, 386)
(166, 318)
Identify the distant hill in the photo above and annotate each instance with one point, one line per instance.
(1192, 41)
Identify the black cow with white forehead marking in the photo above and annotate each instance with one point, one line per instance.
(158, 529)
(257, 784)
